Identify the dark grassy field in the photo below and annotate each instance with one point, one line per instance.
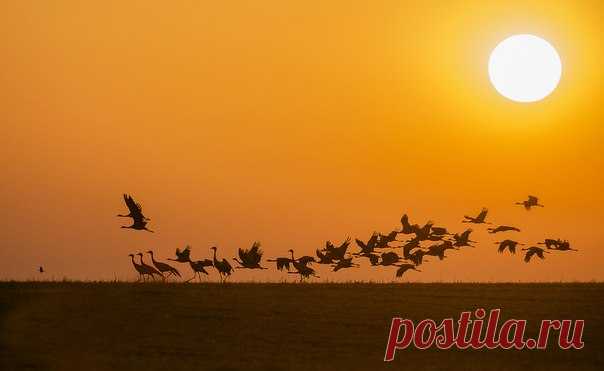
(124, 326)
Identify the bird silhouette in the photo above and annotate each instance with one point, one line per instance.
(439, 249)
(281, 263)
(417, 257)
(344, 263)
(502, 228)
(250, 258)
(407, 228)
(423, 233)
(369, 247)
(301, 266)
(41, 269)
(151, 270)
(134, 208)
(336, 253)
(402, 268)
(139, 221)
(138, 224)
(532, 201)
(561, 246)
(480, 219)
(508, 244)
(389, 258)
(385, 239)
(183, 256)
(141, 269)
(163, 267)
(463, 239)
(324, 257)
(440, 231)
(198, 268)
(410, 245)
(223, 267)
(533, 250)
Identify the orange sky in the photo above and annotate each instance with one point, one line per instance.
(291, 123)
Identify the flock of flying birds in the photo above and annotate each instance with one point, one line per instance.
(380, 249)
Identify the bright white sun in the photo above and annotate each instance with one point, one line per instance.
(525, 68)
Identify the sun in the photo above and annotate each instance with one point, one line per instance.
(525, 68)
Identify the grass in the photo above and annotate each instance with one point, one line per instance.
(272, 326)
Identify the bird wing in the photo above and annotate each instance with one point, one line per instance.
(483, 214)
(134, 207)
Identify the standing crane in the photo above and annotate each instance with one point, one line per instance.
(163, 267)
(151, 270)
(223, 267)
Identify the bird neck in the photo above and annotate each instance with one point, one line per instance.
(215, 255)
(292, 255)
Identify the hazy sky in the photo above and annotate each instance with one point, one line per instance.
(292, 123)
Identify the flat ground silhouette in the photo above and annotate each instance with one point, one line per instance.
(126, 326)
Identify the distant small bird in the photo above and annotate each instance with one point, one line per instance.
(549, 242)
(223, 267)
(41, 269)
(530, 202)
(404, 268)
(508, 244)
(502, 228)
(533, 250)
(250, 258)
(480, 219)
(562, 246)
